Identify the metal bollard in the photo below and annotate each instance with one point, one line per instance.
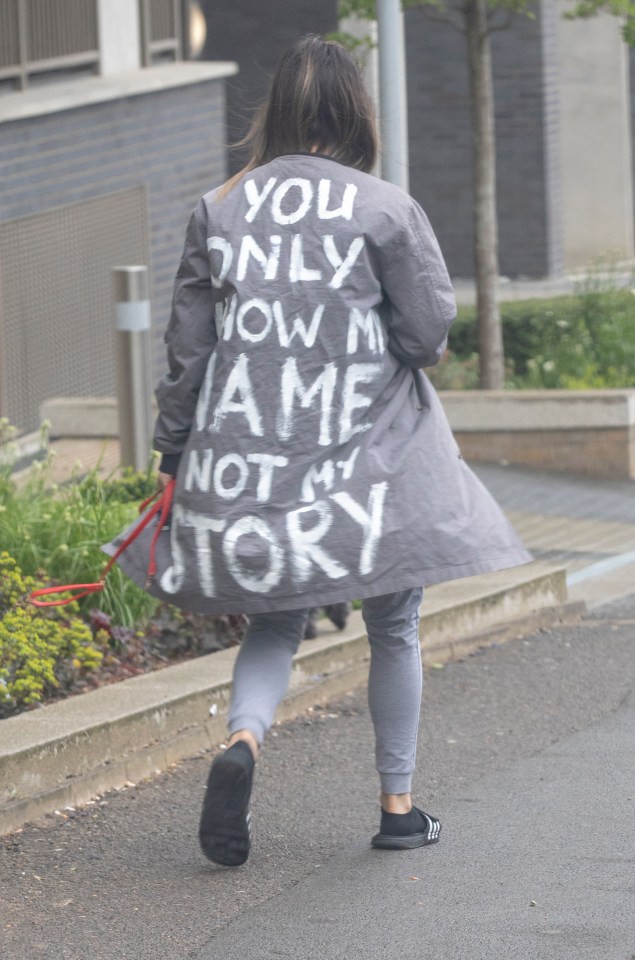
(134, 365)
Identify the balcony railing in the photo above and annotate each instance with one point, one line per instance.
(40, 36)
(162, 30)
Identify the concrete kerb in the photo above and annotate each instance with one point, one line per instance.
(67, 753)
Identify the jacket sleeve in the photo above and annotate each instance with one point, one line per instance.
(421, 304)
(190, 338)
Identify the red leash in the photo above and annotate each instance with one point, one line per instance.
(162, 506)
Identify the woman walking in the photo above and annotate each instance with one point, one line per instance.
(312, 457)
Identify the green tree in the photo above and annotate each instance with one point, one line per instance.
(477, 19)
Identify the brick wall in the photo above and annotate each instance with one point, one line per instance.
(172, 142)
(525, 77)
(526, 141)
(255, 38)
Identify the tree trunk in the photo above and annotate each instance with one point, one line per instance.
(492, 364)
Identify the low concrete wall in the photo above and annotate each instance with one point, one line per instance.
(590, 432)
(565, 431)
(81, 417)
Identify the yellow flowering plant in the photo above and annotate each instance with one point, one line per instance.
(39, 653)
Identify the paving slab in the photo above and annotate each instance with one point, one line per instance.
(585, 524)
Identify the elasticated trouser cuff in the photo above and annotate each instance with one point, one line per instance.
(395, 782)
(253, 724)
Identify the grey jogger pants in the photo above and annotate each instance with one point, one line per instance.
(263, 667)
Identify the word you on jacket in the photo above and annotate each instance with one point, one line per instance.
(335, 264)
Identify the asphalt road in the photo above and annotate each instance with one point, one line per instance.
(526, 755)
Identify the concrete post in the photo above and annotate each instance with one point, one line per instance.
(134, 365)
(597, 186)
(392, 93)
(119, 36)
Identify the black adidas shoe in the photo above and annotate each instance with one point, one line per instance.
(225, 828)
(405, 831)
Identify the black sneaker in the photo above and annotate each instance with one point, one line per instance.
(405, 831)
(225, 828)
(338, 614)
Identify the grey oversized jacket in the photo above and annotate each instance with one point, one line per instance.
(317, 463)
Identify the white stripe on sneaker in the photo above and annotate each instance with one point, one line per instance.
(433, 826)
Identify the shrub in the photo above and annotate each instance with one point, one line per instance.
(131, 486)
(39, 653)
(581, 341)
(455, 373)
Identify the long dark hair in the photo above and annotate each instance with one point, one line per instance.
(317, 102)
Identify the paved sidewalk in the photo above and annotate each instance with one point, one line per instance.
(616, 275)
(525, 755)
(522, 872)
(587, 525)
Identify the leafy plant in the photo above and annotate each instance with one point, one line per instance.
(173, 633)
(55, 534)
(130, 486)
(60, 531)
(580, 341)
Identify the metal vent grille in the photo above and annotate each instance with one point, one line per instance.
(164, 19)
(56, 301)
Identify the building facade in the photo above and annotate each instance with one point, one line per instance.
(109, 134)
(564, 158)
(107, 139)
(563, 115)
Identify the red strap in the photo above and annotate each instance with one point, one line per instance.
(166, 505)
(84, 590)
(163, 506)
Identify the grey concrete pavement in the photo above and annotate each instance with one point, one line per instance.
(587, 525)
(525, 754)
(537, 861)
(620, 275)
